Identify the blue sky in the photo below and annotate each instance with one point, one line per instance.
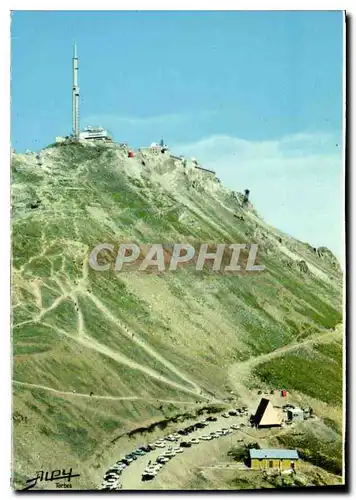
(255, 95)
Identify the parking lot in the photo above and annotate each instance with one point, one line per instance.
(147, 462)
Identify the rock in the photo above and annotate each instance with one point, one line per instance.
(303, 266)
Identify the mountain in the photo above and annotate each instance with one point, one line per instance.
(98, 353)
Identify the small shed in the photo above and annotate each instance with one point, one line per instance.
(295, 414)
(273, 458)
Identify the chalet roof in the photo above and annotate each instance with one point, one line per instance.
(274, 453)
(266, 414)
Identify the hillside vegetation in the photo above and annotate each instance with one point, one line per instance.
(144, 343)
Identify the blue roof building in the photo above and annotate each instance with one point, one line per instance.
(273, 458)
(274, 453)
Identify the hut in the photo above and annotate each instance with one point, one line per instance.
(295, 414)
(274, 458)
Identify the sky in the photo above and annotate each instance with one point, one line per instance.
(256, 96)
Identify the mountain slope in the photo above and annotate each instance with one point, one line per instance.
(182, 336)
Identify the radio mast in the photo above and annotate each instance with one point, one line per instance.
(75, 95)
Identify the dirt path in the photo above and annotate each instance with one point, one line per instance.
(120, 358)
(72, 291)
(143, 345)
(239, 372)
(115, 398)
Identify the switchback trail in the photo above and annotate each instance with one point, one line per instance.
(115, 398)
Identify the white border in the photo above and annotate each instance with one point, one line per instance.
(4, 170)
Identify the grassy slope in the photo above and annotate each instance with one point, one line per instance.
(199, 322)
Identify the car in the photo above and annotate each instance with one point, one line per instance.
(128, 459)
(206, 438)
(162, 459)
(214, 434)
(110, 480)
(194, 440)
(232, 412)
(169, 454)
(182, 432)
(211, 419)
(115, 473)
(185, 444)
(225, 415)
(171, 437)
(146, 449)
(200, 425)
(178, 450)
(138, 453)
(234, 427)
(159, 445)
(150, 468)
(131, 455)
(148, 477)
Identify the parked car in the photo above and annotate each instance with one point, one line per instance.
(194, 440)
(211, 419)
(171, 438)
(147, 448)
(206, 438)
(182, 432)
(200, 425)
(159, 445)
(225, 415)
(162, 459)
(185, 444)
(148, 476)
(169, 454)
(232, 412)
(234, 427)
(138, 453)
